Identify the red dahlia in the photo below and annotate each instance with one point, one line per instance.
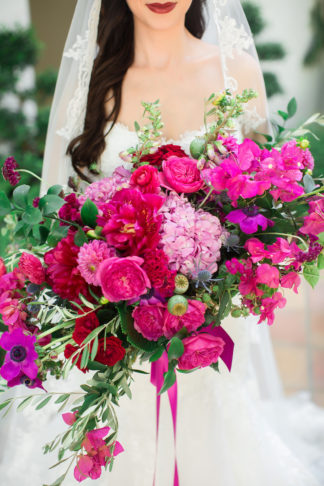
(163, 153)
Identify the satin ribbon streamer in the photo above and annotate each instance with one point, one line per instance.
(159, 367)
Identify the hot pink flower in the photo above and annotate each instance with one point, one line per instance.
(12, 310)
(191, 320)
(314, 223)
(290, 281)
(132, 221)
(181, 174)
(2, 268)
(21, 355)
(200, 351)
(12, 280)
(256, 249)
(248, 154)
(98, 454)
(281, 250)
(70, 211)
(295, 157)
(69, 417)
(269, 305)
(23, 379)
(234, 266)
(89, 258)
(268, 275)
(32, 268)
(148, 320)
(146, 179)
(123, 278)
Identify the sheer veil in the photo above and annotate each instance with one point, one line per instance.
(226, 28)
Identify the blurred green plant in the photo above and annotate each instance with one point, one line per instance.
(316, 48)
(269, 51)
(22, 136)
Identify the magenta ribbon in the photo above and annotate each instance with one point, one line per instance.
(159, 367)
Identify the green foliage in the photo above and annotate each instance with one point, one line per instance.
(270, 51)
(22, 138)
(316, 48)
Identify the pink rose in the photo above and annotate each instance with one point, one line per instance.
(148, 320)
(146, 179)
(200, 351)
(192, 319)
(122, 278)
(181, 174)
(32, 268)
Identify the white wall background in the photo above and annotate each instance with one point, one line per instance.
(288, 22)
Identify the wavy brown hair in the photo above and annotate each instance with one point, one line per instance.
(115, 55)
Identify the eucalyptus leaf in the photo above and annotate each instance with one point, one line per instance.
(309, 183)
(32, 216)
(292, 107)
(94, 348)
(62, 398)
(24, 403)
(85, 357)
(20, 195)
(5, 404)
(43, 403)
(320, 262)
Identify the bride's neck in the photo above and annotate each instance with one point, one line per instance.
(160, 49)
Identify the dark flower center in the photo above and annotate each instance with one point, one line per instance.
(251, 211)
(25, 380)
(18, 353)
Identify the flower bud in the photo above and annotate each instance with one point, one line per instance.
(304, 143)
(177, 305)
(103, 300)
(236, 313)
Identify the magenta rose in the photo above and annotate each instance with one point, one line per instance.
(146, 179)
(192, 319)
(181, 174)
(200, 351)
(122, 278)
(148, 320)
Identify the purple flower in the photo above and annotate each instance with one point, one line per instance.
(20, 357)
(249, 219)
(23, 379)
(9, 173)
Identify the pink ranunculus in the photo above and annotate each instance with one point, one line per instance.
(192, 319)
(146, 179)
(32, 268)
(256, 249)
(268, 275)
(200, 351)
(123, 278)
(290, 281)
(181, 174)
(148, 320)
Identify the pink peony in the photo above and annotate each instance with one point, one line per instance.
(191, 320)
(268, 275)
(131, 221)
(146, 179)
(190, 238)
(181, 174)
(123, 278)
(32, 268)
(148, 320)
(200, 351)
(89, 258)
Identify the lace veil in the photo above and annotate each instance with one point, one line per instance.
(226, 27)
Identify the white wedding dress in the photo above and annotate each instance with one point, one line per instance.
(234, 429)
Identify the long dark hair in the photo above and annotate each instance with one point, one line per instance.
(115, 55)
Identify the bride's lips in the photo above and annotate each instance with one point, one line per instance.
(161, 8)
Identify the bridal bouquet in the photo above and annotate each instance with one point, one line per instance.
(145, 264)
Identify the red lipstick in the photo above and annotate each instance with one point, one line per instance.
(161, 8)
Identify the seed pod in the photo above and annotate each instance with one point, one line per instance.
(181, 284)
(177, 305)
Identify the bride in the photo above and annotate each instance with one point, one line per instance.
(234, 429)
